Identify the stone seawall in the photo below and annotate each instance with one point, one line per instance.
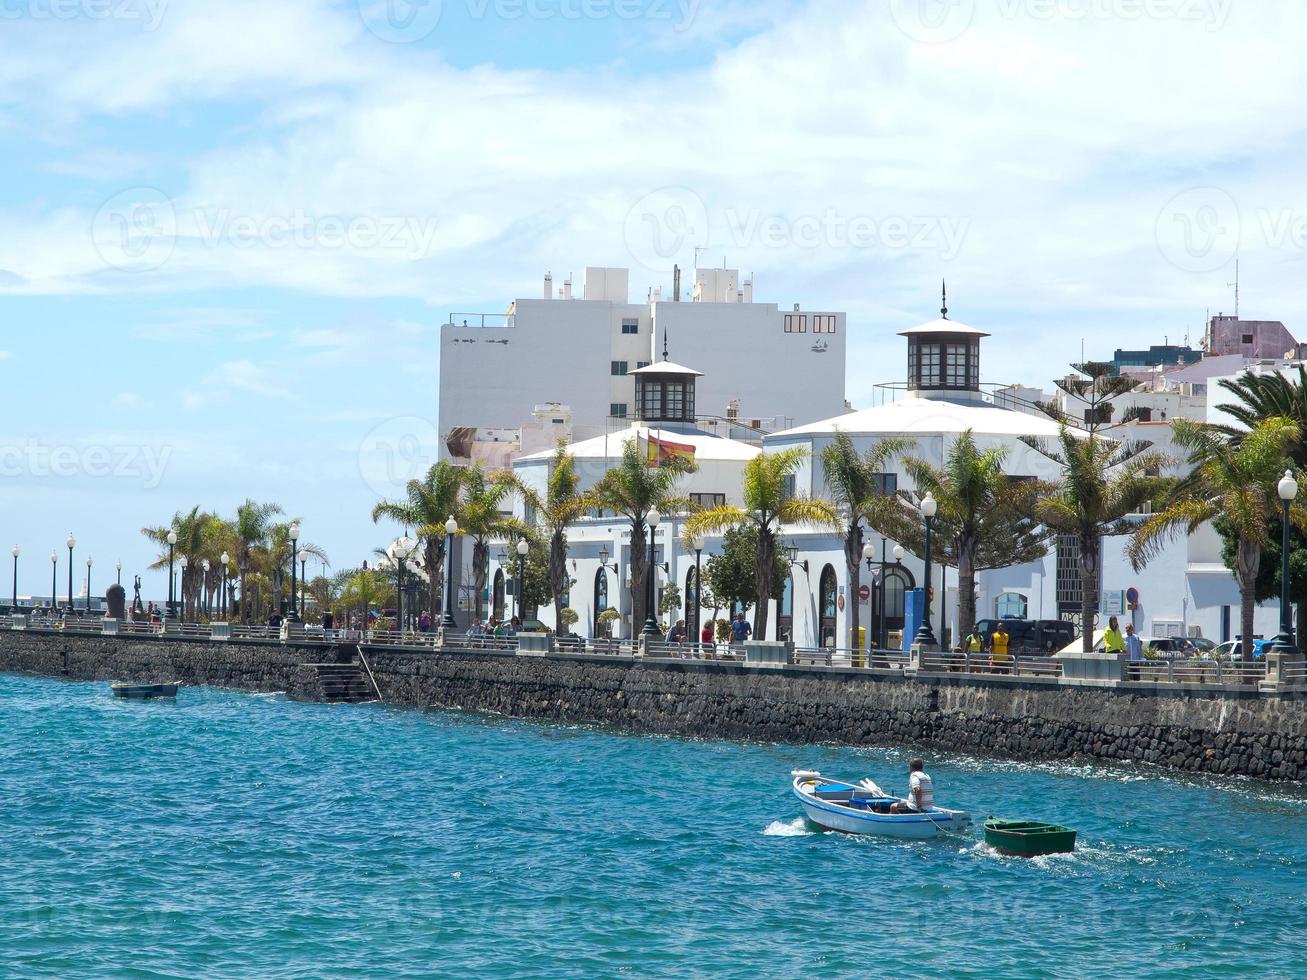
(1230, 732)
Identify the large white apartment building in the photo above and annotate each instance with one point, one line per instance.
(560, 363)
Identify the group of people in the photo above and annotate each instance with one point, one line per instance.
(494, 626)
(995, 644)
(1129, 643)
(740, 631)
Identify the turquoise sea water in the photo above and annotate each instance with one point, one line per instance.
(231, 835)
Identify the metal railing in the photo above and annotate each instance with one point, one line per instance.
(1294, 671)
(848, 657)
(1176, 671)
(957, 662)
(482, 320)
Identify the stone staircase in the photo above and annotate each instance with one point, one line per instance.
(342, 683)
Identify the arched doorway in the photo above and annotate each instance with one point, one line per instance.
(785, 612)
(898, 581)
(829, 611)
(499, 594)
(601, 601)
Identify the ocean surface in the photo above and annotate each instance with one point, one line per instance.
(233, 835)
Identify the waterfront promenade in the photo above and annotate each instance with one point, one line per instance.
(1236, 722)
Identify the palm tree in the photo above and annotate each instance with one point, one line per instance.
(767, 506)
(555, 511)
(367, 588)
(195, 535)
(633, 488)
(481, 518)
(983, 519)
(1267, 396)
(1102, 482)
(428, 504)
(251, 530)
(1233, 478)
(857, 487)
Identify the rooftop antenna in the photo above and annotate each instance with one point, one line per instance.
(664, 343)
(943, 299)
(1235, 284)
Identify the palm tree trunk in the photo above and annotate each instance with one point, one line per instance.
(480, 559)
(434, 557)
(639, 574)
(853, 559)
(1248, 558)
(558, 576)
(1088, 589)
(966, 584)
(763, 579)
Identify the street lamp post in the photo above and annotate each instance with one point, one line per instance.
(208, 605)
(304, 580)
(651, 617)
(226, 598)
(1285, 643)
(172, 547)
(89, 563)
(54, 581)
(185, 563)
(16, 553)
(119, 567)
(869, 556)
(519, 600)
(899, 555)
(294, 602)
(697, 544)
(447, 621)
(72, 543)
(926, 635)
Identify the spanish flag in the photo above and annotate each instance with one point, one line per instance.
(663, 451)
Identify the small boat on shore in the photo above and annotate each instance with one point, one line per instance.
(865, 809)
(145, 691)
(1028, 838)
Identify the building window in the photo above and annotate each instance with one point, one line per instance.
(1247, 338)
(619, 368)
(955, 365)
(641, 364)
(887, 484)
(617, 410)
(1068, 576)
(823, 323)
(788, 488)
(796, 323)
(707, 501)
(1010, 605)
(630, 326)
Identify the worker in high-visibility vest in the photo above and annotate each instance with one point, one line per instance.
(999, 658)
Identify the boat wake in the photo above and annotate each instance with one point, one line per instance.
(789, 828)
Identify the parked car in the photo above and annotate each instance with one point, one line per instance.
(1032, 635)
(1202, 645)
(1229, 650)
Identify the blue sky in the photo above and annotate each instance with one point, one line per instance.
(229, 231)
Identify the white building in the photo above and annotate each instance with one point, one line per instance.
(770, 369)
(1185, 589)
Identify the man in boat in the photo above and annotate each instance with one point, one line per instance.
(921, 792)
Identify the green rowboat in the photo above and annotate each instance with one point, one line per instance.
(1029, 838)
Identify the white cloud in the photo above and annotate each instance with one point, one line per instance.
(1052, 140)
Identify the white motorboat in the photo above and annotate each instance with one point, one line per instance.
(864, 808)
